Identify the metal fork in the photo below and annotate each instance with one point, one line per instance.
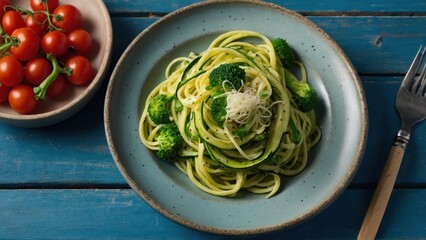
(411, 105)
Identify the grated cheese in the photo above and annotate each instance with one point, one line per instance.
(241, 105)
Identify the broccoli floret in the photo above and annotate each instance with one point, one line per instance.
(305, 96)
(284, 52)
(218, 109)
(159, 109)
(230, 72)
(170, 141)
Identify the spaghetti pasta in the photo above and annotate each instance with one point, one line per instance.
(216, 157)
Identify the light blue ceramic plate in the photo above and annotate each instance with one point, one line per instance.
(342, 115)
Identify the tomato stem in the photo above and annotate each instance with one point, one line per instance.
(50, 27)
(40, 91)
(8, 43)
(5, 47)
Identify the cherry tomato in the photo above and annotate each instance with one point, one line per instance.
(29, 44)
(81, 41)
(82, 71)
(36, 70)
(40, 5)
(3, 3)
(4, 93)
(37, 22)
(12, 20)
(11, 71)
(55, 42)
(22, 99)
(56, 88)
(67, 18)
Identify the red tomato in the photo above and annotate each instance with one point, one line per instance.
(2, 4)
(37, 22)
(82, 71)
(56, 88)
(81, 41)
(67, 18)
(11, 71)
(36, 70)
(40, 5)
(29, 44)
(4, 93)
(22, 99)
(55, 42)
(12, 20)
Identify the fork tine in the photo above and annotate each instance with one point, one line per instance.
(409, 77)
(422, 80)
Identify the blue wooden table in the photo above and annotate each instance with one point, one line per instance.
(61, 182)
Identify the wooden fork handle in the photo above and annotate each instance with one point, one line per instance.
(381, 196)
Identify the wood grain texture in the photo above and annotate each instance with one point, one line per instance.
(121, 214)
(380, 199)
(384, 123)
(60, 182)
(365, 39)
(165, 6)
(376, 45)
(40, 157)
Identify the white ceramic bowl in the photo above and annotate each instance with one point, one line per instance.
(49, 112)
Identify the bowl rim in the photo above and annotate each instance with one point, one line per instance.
(318, 207)
(70, 108)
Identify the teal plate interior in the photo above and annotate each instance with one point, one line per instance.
(342, 116)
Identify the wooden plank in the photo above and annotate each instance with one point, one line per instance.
(74, 154)
(125, 30)
(398, 6)
(36, 157)
(392, 42)
(384, 123)
(120, 214)
(45, 156)
(74, 151)
(71, 153)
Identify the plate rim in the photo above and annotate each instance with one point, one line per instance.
(357, 158)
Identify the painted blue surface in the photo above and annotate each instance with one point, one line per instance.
(380, 6)
(121, 214)
(61, 182)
